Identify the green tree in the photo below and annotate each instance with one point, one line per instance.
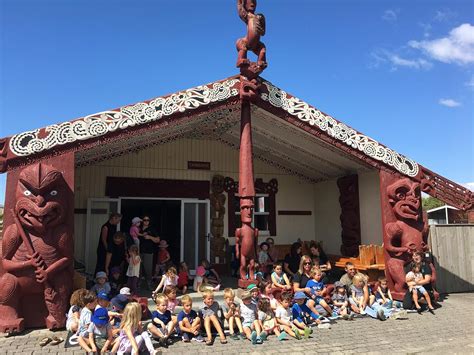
(429, 203)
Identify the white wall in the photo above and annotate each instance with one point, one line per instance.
(326, 216)
(370, 210)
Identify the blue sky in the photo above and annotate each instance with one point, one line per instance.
(401, 72)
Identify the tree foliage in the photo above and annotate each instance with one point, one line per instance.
(429, 203)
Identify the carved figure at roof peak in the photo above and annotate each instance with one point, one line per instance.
(255, 29)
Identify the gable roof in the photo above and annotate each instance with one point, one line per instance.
(216, 108)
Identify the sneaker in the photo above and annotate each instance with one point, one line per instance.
(381, 315)
(324, 326)
(307, 332)
(169, 341)
(163, 343)
(334, 314)
(345, 316)
(253, 337)
(431, 310)
(234, 337)
(185, 338)
(259, 341)
(297, 333)
(263, 335)
(282, 336)
(199, 338)
(217, 288)
(362, 313)
(243, 336)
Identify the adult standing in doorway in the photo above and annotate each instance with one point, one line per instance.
(149, 241)
(107, 232)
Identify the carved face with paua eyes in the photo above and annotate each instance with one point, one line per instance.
(404, 196)
(40, 197)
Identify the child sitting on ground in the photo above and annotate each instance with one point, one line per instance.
(257, 273)
(209, 312)
(255, 293)
(318, 289)
(279, 278)
(283, 316)
(412, 279)
(231, 312)
(132, 338)
(101, 284)
(183, 277)
(383, 295)
(299, 311)
(170, 278)
(90, 301)
(266, 291)
(74, 313)
(162, 326)
(212, 277)
(100, 335)
(250, 324)
(357, 294)
(267, 320)
(339, 300)
(133, 271)
(115, 281)
(188, 321)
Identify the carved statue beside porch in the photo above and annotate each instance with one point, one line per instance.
(217, 199)
(255, 29)
(37, 252)
(407, 234)
(246, 238)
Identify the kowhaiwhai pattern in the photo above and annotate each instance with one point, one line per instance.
(101, 123)
(304, 112)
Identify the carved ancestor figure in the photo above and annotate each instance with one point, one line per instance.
(246, 238)
(217, 199)
(37, 252)
(407, 234)
(255, 29)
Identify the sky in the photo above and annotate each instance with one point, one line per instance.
(401, 72)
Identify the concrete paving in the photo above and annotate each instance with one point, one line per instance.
(451, 331)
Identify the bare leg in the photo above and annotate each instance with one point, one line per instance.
(231, 325)
(428, 300)
(155, 331)
(323, 304)
(415, 298)
(207, 327)
(217, 325)
(239, 324)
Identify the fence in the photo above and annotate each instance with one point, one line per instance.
(453, 252)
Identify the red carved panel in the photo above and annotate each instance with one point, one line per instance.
(350, 214)
(37, 245)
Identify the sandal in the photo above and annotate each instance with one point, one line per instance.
(223, 341)
(209, 342)
(45, 341)
(56, 340)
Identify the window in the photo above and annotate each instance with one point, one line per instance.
(261, 213)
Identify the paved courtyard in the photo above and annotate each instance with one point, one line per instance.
(451, 330)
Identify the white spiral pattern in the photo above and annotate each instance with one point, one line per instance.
(99, 124)
(340, 131)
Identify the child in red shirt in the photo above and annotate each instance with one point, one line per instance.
(163, 258)
(183, 277)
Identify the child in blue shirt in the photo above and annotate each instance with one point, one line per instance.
(188, 321)
(299, 310)
(318, 289)
(162, 325)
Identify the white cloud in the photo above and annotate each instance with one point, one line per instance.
(381, 56)
(469, 185)
(444, 15)
(391, 15)
(456, 48)
(449, 102)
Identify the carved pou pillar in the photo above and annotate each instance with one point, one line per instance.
(36, 272)
(350, 215)
(405, 228)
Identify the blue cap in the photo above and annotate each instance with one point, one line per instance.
(299, 295)
(103, 296)
(119, 302)
(100, 317)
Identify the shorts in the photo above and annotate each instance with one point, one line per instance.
(318, 299)
(248, 324)
(421, 289)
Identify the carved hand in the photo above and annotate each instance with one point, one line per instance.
(41, 275)
(37, 261)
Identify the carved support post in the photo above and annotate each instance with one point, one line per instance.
(36, 272)
(350, 215)
(405, 228)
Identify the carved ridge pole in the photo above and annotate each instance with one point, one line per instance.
(250, 85)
